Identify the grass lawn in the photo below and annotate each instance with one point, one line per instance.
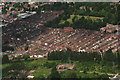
(37, 65)
(42, 72)
(78, 17)
(91, 69)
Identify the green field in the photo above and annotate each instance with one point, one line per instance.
(78, 17)
(42, 68)
(37, 65)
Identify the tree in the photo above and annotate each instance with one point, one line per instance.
(26, 57)
(69, 74)
(5, 59)
(16, 5)
(66, 23)
(18, 58)
(74, 18)
(54, 74)
(109, 56)
(118, 56)
(26, 48)
(5, 48)
(38, 10)
(4, 11)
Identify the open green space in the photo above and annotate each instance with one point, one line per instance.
(37, 65)
(93, 18)
(43, 68)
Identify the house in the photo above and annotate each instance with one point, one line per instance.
(68, 29)
(63, 67)
(110, 28)
(40, 56)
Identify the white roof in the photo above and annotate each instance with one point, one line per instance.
(46, 44)
(30, 76)
(40, 56)
(22, 14)
(33, 12)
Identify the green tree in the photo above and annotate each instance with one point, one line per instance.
(5, 59)
(26, 48)
(5, 48)
(26, 57)
(54, 74)
(69, 74)
(109, 56)
(118, 57)
(4, 11)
